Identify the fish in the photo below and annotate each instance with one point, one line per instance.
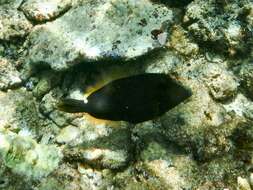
(134, 99)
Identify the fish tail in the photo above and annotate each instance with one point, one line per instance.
(72, 105)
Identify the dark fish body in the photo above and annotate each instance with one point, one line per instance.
(134, 99)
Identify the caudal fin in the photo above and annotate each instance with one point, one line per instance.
(72, 105)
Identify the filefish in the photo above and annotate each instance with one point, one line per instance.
(134, 99)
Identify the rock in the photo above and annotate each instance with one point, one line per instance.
(242, 139)
(47, 81)
(49, 101)
(100, 143)
(249, 9)
(25, 157)
(12, 114)
(164, 62)
(42, 11)
(10, 180)
(99, 30)
(161, 163)
(203, 143)
(168, 166)
(216, 31)
(221, 84)
(68, 134)
(188, 124)
(243, 184)
(48, 107)
(218, 141)
(13, 24)
(198, 9)
(4, 2)
(234, 35)
(95, 179)
(171, 169)
(31, 83)
(215, 171)
(65, 177)
(9, 76)
(160, 158)
(249, 19)
(169, 174)
(246, 77)
(19, 113)
(11, 3)
(251, 179)
(186, 172)
(241, 106)
(51, 183)
(2, 49)
(181, 43)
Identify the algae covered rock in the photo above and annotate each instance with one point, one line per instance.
(216, 171)
(13, 110)
(99, 143)
(182, 43)
(218, 24)
(162, 162)
(13, 24)
(98, 30)
(21, 125)
(67, 177)
(25, 157)
(246, 77)
(41, 11)
(187, 123)
(48, 107)
(9, 75)
(19, 113)
(68, 134)
(12, 3)
(222, 84)
(46, 81)
(243, 184)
